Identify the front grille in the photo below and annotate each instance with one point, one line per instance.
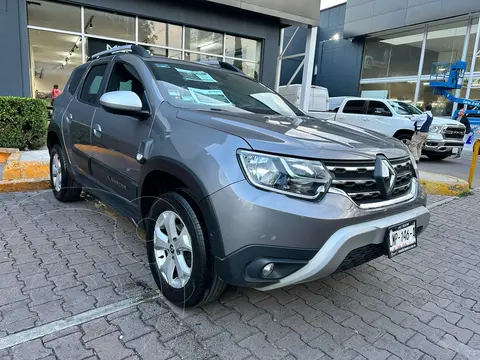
(362, 255)
(454, 132)
(356, 178)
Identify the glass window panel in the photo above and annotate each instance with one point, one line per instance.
(404, 91)
(93, 45)
(378, 108)
(203, 41)
(174, 54)
(440, 105)
(471, 45)
(444, 43)
(92, 83)
(108, 24)
(242, 48)
(54, 15)
(158, 33)
(250, 69)
(191, 56)
(393, 55)
(354, 107)
(48, 60)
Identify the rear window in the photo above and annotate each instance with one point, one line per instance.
(76, 77)
(354, 107)
(203, 88)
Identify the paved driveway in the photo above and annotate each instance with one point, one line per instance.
(74, 285)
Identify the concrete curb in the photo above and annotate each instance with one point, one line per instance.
(24, 185)
(436, 184)
(27, 165)
(6, 152)
(26, 171)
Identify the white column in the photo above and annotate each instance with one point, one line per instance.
(279, 60)
(308, 68)
(84, 56)
(474, 58)
(420, 66)
(464, 57)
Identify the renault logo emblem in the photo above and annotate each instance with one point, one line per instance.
(385, 176)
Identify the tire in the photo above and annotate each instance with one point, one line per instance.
(169, 254)
(64, 189)
(435, 157)
(405, 138)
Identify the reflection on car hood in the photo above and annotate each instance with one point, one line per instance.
(444, 120)
(299, 136)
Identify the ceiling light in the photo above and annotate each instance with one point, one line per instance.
(91, 25)
(336, 36)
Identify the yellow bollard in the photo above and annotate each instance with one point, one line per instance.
(476, 147)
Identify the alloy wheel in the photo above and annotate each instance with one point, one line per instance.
(56, 172)
(173, 249)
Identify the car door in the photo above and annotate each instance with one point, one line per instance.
(379, 117)
(353, 112)
(116, 137)
(78, 119)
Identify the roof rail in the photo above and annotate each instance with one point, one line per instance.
(221, 64)
(133, 49)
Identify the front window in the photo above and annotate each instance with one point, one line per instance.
(201, 87)
(403, 108)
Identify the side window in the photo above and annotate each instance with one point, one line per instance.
(378, 108)
(125, 78)
(76, 77)
(354, 107)
(91, 86)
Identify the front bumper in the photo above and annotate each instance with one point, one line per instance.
(436, 143)
(347, 240)
(258, 226)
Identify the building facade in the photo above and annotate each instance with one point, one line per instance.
(387, 48)
(42, 41)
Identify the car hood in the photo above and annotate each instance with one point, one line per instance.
(445, 121)
(299, 136)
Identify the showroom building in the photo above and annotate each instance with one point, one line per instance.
(387, 48)
(43, 41)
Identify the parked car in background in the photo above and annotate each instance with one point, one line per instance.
(233, 184)
(391, 118)
(319, 99)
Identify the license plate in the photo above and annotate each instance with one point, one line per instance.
(454, 151)
(401, 238)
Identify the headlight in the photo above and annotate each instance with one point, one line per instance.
(306, 179)
(415, 166)
(436, 129)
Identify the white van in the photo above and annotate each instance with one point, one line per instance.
(319, 99)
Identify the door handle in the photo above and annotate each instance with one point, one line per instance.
(69, 117)
(97, 130)
(365, 119)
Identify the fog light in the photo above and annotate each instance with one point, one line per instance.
(267, 269)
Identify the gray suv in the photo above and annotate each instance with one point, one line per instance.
(232, 184)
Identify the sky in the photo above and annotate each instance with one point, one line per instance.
(329, 3)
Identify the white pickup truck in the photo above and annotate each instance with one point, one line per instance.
(391, 118)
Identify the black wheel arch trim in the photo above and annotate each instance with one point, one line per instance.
(197, 191)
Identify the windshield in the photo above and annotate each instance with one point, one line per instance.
(200, 87)
(403, 108)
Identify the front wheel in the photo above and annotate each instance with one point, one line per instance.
(179, 254)
(63, 187)
(405, 138)
(436, 157)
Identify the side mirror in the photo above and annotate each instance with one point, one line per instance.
(122, 101)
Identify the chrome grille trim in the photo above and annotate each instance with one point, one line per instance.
(358, 183)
